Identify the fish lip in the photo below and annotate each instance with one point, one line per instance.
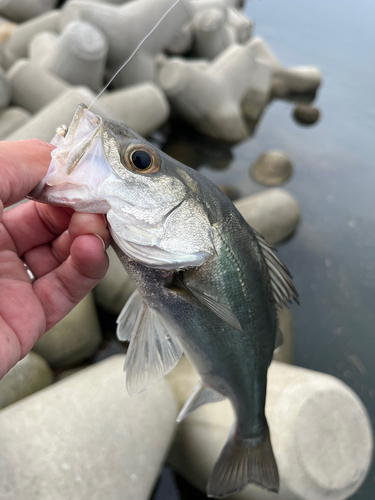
(36, 193)
(79, 114)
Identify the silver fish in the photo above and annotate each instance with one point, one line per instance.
(207, 284)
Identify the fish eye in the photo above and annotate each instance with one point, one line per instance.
(141, 159)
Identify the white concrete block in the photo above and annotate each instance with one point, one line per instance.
(5, 90)
(12, 119)
(211, 99)
(23, 10)
(143, 107)
(6, 29)
(320, 431)
(299, 79)
(274, 213)
(59, 112)
(114, 2)
(285, 352)
(30, 375)
(33, 87)
(242, 25)
(115, 288)
(182, 41)
(125, 26)
(78, 55)
(42, 43)
(236, 4)
(85, 438)
(16, 45)
(212, 35)
(74, 338)
(198, 6)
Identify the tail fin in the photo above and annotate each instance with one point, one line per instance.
(243, 461)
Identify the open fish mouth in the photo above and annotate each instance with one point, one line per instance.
(78, 164)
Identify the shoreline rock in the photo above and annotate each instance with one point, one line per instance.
(320, 432)
(274, 213)
(29, 375)
(85, 437)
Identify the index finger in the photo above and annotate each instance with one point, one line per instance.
(23, 164)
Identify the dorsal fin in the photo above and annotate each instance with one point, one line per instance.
(281, 280)
(201, 395)
(154, 349)
(213, 304)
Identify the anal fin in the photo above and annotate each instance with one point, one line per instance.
(244, 461)
(201, 395)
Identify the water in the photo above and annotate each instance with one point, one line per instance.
(332, 256)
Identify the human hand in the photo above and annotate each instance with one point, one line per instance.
(60, 247)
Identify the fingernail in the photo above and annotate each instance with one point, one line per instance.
(101, 239)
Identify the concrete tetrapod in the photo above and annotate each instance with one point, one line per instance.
(42, 43)
(17, 44)
(242, 25)
(11, 119)
(5, 90)
(85, 438)
(274, 213)
(22, 10)
(320, 431)
(30, 375)
(59, 112)
(296, 79)
(125, 26)
(285, 352)
(115, 288)
(182, 41)
(74, 338)
(212, 34)
(34, 87)
(143, 107)
(6, 29)
(78, 55)
(210, 99)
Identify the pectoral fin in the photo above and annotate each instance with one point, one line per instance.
(201, 395)
(213, 304)
(154, 349)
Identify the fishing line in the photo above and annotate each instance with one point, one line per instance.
(135, 50)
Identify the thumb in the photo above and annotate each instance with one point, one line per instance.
(23, 164)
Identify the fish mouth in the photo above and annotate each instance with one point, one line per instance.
(78, 164)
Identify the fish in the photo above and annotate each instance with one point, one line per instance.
(208, 285)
